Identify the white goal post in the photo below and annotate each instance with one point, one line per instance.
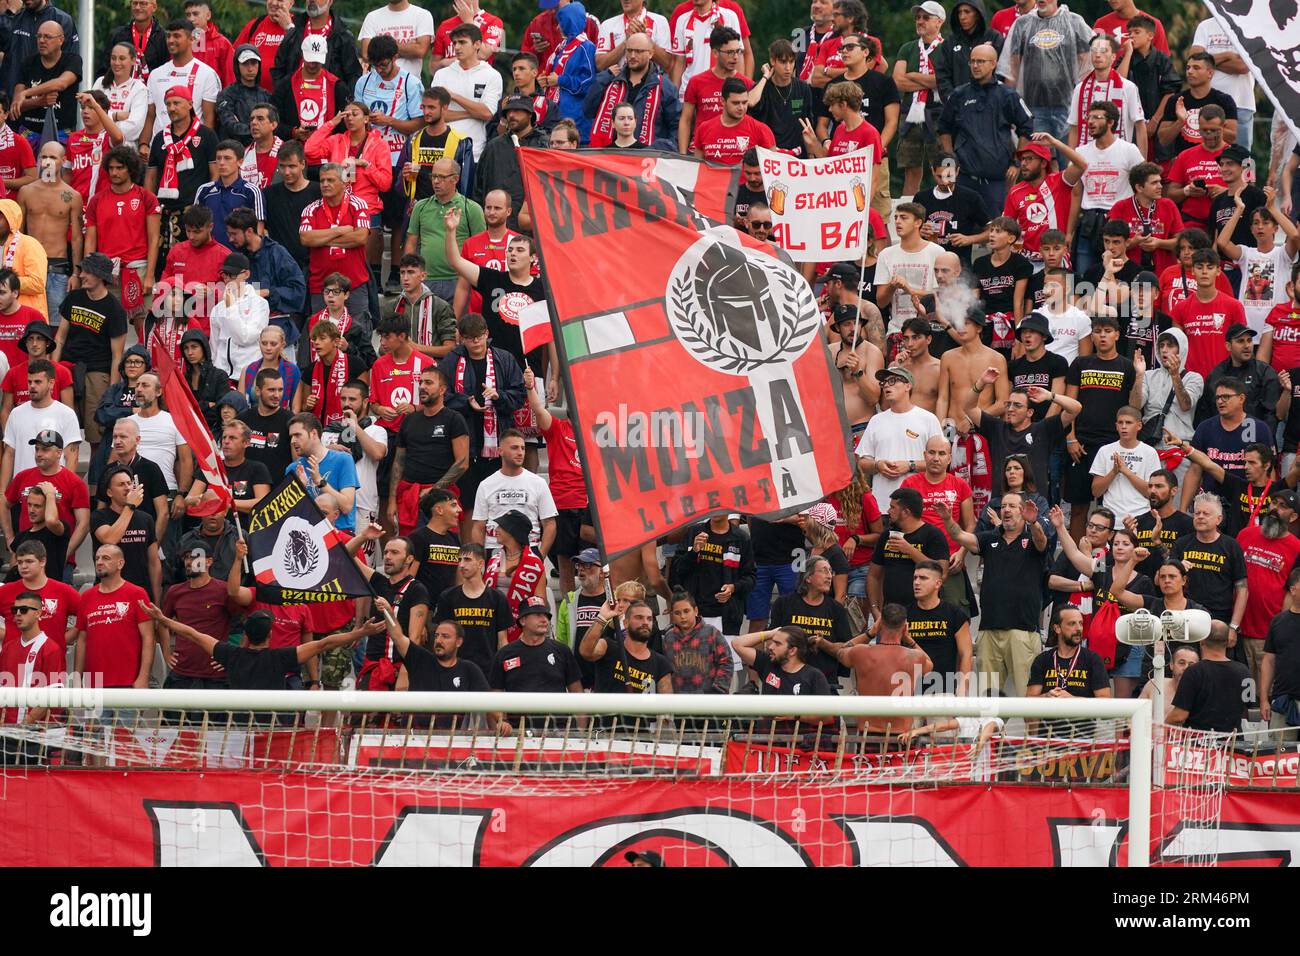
(1136, 713)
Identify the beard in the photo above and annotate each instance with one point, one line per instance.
(643, 637)
(1072, 640)
(1272, 526)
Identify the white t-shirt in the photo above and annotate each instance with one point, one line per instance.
(1067, 329)
(891, 436)
(201, 78)
(916, 267)
(1130, 113)
(691, 38)
(1121, 497)
(26, 421)
(481, 84)
(1263, 283)
(1106, 180)
(159, 440)
(367, 498)
(526, 492)
(614, 31)
(404, 26)
(133, 97)
(1214, 39)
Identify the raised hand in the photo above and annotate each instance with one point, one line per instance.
(1057, 517)
(1030, 510)
(1139, 361)
(989, 376)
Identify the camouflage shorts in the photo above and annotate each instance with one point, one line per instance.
(335, 665)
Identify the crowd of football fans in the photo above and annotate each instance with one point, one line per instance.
(1067, 355)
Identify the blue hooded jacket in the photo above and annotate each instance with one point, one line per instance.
(579, 71)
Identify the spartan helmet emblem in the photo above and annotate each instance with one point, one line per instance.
(300, 553)
(736, 296)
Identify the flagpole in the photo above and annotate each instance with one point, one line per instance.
(866, 244)
(239, 530)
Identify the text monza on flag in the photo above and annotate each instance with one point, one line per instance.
(662, 309)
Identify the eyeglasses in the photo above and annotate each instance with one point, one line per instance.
(731, 52)
(443, 175)
(24, 609)
(1224, 398)
(1093, 526)
(894, 381)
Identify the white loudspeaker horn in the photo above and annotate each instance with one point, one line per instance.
(1142, 628)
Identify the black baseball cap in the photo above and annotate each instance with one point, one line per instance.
(1237, 330)
(234, 264)
(649, 857)
(516, 102)
(48, 437)
(844, 271)
(532, 605)
(1234, 154)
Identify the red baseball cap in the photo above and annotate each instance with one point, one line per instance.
(178, 91)
(1038, 149)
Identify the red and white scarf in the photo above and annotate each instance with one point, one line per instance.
(344, 322)
(1093, 92)
(490, 449)
(329, 406)
(559, 59)
(916, 112)
(523, 582)
(602, 130)
(314, 98)
(167, 335)
(177, 159)
(248, 170)
(140, 69)
(425, 328)
(6, 136)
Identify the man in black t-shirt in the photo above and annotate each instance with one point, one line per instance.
(93, 334)
(780, 659)
(907, 541)
(1101, 383)
(407, 597)
(782, 100)
(941, 630)
(1213, 693)
(625, 664)
(285, 201)
(250, 481)
(1224, 205)
(119, 523)
(1066, 669)
(535, 663)
(433, 448)
(125, 453)
(750, 189)
(1162, 485)
(46, 71)
(955, 216)
(436, 543)
(1216, 566)
(1036, 365)
(1172, 134)
(1244, 494)
(1115, 267)
(1003, 278)
(268, 422)
(1015, 432)
(814, 611)
(1279, 670)
(483, 613)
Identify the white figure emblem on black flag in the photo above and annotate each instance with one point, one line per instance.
(300, 554)
(1267, 36)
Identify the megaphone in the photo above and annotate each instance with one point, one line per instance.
(1142, 628)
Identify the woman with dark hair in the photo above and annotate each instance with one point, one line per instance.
(1018, 478)
(515, 570)
(1091, 589)
(206, 381)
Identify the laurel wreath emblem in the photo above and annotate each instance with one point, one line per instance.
(301, 554)
(799, 323)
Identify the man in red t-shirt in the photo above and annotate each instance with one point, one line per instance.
(395, 387)
(17, 161)
(937, 484)
(59, 602)
(70, 494)
(201, 601)
(574, 531)
(29, 658)
(1115, 23)
(123, 222)
(37, 343)
(193, 268)
(1004, 19)
(725, 138)
(266, 32)
(702, 98)
(852, 132)
(334, 230)
(1207, 315)
(1283, 331)
(494, 37)
(1195, 171)
(486, 249)
(1041, 200)
(1153, 221)
(1271, 553)
(14, 317)
(84, 153)
(115, 637)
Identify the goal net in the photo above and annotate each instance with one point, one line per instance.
(356, 778)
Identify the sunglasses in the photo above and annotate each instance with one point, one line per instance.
(760, 225)
(850, 46)
(25, 609)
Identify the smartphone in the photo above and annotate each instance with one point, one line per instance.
(609, 585)
(1198, 183)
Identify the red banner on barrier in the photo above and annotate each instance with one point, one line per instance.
(89, 818)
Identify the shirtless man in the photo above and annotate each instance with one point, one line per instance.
(916, 358)
(840, 287)
(961, 368)
(50, 208)
(947, 272)
(858, 366)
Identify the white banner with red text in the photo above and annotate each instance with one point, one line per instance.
(819, 206)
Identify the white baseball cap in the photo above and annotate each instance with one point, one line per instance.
(313, 49)
(932, 8)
